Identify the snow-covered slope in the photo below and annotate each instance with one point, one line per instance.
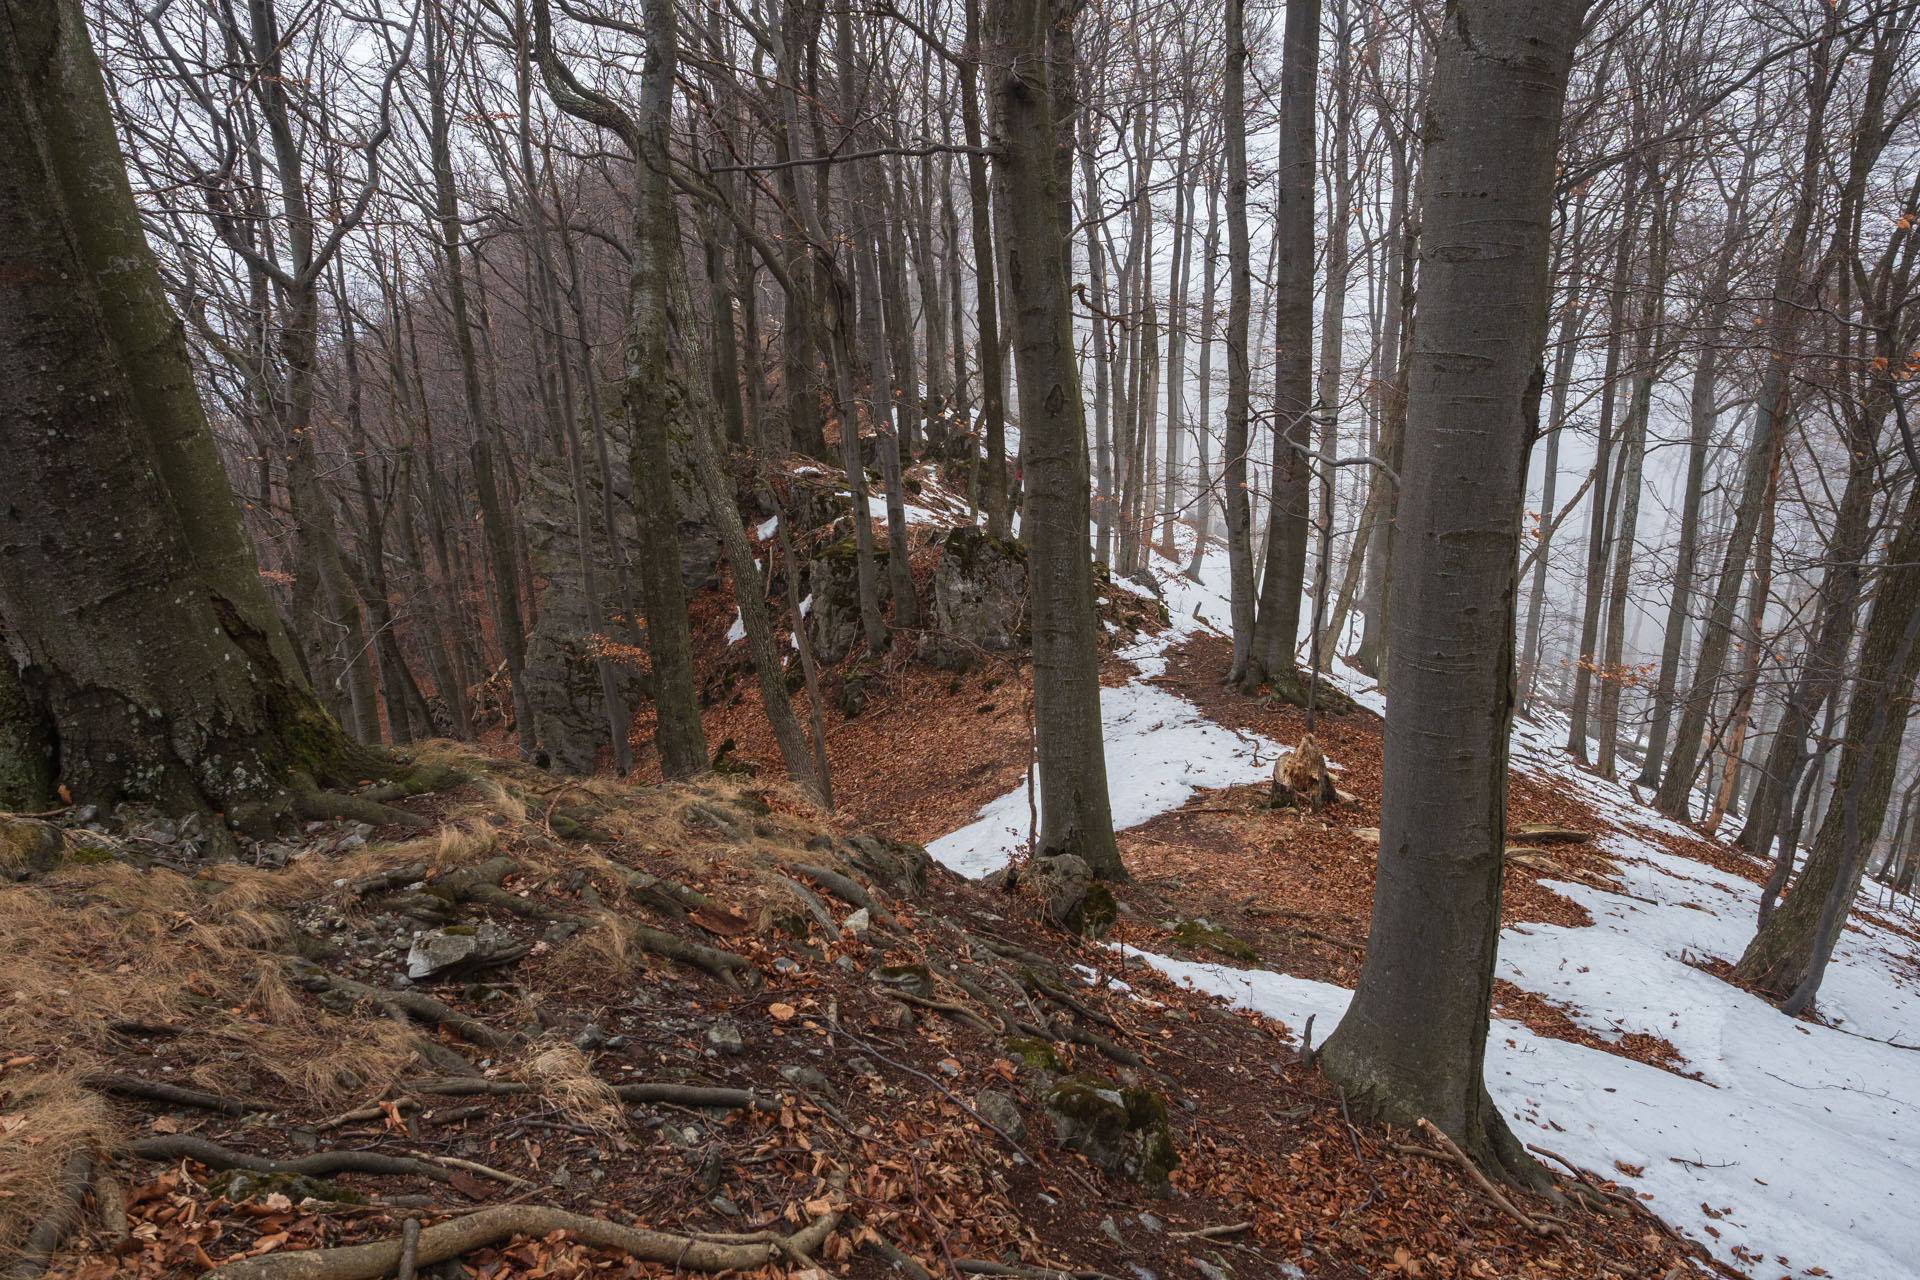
(1800, 1146)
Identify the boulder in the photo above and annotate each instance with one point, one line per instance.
(979, 598)
(562, 676)
(1122, 1131)
(833, 580)
(461, 947)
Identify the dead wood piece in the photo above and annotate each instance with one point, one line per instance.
(1214, 1233)
(901, 1260)
(1480, 1179)
(110, 1207)
(845, 888)
(45, 1237)
(409, 1249)
(373, 1111)
(321, 1164)
(160, 1091)
(391, 878)
(450, 1239)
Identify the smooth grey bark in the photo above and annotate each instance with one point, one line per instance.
(1648, 355)
(1204, 497)
(1235, 499)
(1075, 815)
(1283, 577)
(1413, 1041)
(1599, 524)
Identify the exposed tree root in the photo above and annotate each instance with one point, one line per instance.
(685, 1095)
(480, 885)
(450, 1239)
(842, 887)
(983, 1267)
(321, 1164)
(65, 1215)
(723, 965)
(410, 1004)
(160, 1091)
(315, 805)
(1481, 1180)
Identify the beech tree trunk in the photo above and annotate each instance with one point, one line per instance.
(1075, 816)
(1413, 1042)
(151, 666)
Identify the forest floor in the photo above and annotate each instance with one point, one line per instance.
(789, 1042)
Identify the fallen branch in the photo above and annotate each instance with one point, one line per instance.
(1214, 1233)
(1493, 1193)
(160, 1091)
(450, 1239)
(412, 1004)
(685, 1095)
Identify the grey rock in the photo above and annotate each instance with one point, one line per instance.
(1001, 1112)
(859, 923)
(1111, 1230)
(590, 1038)
(979, 598)
(441, 950)
(1062, 883)
(724, 1037)
(1150, 1222)
(808, 1078)
(725, 1207)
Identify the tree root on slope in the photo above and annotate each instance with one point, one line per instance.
(321, 1164)
(456, 1236)
(160, 1091)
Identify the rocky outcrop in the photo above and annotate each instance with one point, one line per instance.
(979, 598)
(833, 579)
(562, 677)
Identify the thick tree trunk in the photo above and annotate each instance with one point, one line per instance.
(1075, 816)
(1413, 1042)
(157, 674)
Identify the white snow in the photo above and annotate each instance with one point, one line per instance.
(738, 631)
(768, 528)
(1800, 1143)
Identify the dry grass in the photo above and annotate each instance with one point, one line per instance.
(564, 1076)
(44, 1118)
